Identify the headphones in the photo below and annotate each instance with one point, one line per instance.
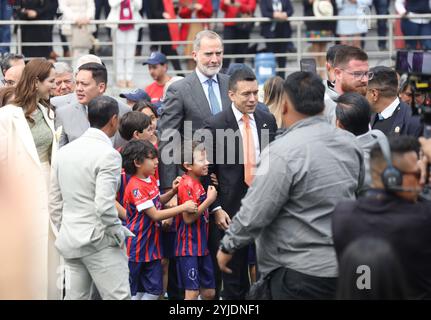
(392, 178)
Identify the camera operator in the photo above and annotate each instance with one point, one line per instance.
(393, 211)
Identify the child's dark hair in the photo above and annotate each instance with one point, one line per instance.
(143, 104)
(133, 121)
(138, 150)
(188, 149)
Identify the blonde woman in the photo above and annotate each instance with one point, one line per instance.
(273, 93)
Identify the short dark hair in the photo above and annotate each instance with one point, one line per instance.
(345, 54)
(143, 104)
(354, 113)
(98, 71)
(398, 145)
(136, 150)
(385, 79)
(332, 52)
(133, 121)
(306, 91)
(242, 74)
(6, 61)
(388, 280)
(101, 110)
(187, 151)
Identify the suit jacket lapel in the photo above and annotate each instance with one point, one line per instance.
(259, 126)
(223, 85)
(398, 123)
(373, 119)
(24, 132)
(197, 91)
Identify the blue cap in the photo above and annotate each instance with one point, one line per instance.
(136, 95)
(156, 58)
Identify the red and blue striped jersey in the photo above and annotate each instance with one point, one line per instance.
(191, 239)
(140, 195)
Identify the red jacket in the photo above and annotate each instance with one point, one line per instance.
(186, 13)
(247, 6)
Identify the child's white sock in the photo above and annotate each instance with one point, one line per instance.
(138, 296)
(148, 296)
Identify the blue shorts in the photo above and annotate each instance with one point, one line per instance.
(251, 254)
(146, 277)
(195, 273)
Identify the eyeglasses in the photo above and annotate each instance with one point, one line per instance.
(359, 75)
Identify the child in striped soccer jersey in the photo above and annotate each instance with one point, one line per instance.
(194, 264)
(143, 203)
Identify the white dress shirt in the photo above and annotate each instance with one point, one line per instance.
(203, 79)
(401, 9)
(238, 116)
(389, 110)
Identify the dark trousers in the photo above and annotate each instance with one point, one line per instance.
(237, 284)
(232, 33)
(415, 29)
(278, 47)
(288, 284)
(214, 237)
(382, 8)
(174, 291)
(101, 5)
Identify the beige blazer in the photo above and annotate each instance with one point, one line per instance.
(28, 180)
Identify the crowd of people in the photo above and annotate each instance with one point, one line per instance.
(82, 37)
(195, 189)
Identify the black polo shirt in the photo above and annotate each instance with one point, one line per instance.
(405, 225)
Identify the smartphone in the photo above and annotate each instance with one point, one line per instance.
(308, 65)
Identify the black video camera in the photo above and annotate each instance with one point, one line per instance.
(417, 65)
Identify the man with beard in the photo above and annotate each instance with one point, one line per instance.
(390, 115)
(351, 75)
(194, 99)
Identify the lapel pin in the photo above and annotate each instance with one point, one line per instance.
(264, 125)
(397, 130)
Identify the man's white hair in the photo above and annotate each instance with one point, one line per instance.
(205, 34)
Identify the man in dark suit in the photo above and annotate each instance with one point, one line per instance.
(188, 103)
(390, 115)
(246, 132)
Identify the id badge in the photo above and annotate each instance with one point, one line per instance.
(126, 12)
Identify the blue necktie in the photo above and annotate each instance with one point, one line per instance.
(380, 117)
(215, 106)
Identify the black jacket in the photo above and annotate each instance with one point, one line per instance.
(227, 167)
(405, 225)
(282, 29)
(404, 123)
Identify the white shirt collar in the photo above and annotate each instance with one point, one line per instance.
(389, 110)
(203, 78)
(101, 134)
(238, 114)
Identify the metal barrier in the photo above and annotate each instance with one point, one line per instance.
(297, 22)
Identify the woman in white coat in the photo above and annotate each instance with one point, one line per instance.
(126, 35)
(28, 146)
(80, 34)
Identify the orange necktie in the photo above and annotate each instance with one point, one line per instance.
(249, 150)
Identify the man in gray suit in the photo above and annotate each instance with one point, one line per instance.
(84, 184)
(194, 99)
(91, 82)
